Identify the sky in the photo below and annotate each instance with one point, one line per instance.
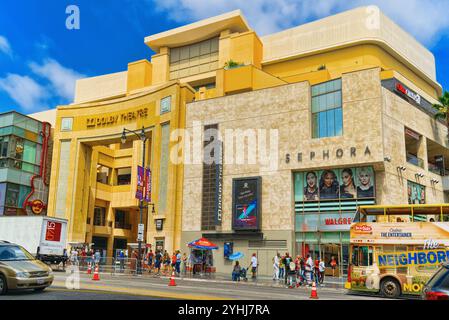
(40, 58)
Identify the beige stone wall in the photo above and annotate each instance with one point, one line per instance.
(286, 109)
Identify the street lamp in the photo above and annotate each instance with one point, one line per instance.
(144, 139)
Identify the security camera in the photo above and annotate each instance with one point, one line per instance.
(402, 168)
(387, 158)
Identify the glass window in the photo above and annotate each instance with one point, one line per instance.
(4, 146)
(165, 105)
(124, 176)
(12, 195)
(66, 124)
(99, 216)
(327, 120)
(362, 256)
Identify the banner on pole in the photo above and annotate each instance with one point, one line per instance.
(140, 183)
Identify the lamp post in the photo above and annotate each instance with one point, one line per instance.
(141, 135)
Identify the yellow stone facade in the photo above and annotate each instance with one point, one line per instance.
(270, 89)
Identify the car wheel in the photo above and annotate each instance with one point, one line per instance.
(3, 285)
(390, 288)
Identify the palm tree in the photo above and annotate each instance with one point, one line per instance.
(443, 107)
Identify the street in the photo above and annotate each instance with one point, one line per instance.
(148, 287)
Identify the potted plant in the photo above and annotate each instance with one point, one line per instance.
(231, 64)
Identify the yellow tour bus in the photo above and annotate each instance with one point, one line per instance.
(394, 250)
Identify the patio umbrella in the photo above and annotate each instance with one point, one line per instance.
(236, 256)
(202, 244)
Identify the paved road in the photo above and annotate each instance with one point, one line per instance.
(128, 287)
(65, 294)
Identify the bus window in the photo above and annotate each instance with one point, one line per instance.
(362, 256)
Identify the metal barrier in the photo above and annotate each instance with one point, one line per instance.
(109, 265)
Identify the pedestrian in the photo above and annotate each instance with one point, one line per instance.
(178, 262)
(74, 257)
(167, 262)
(322, 269)
(64, 259)
(316, 270)
(157, 262)
(121, 257)
(287, 261)
(302, 267)
(333, 264)
(236, 272)
(150, 256)
(281, 267)
(309, 269)
(184, 263)
(173, 261)
(254, 265)
(291, 274)
(276, 260)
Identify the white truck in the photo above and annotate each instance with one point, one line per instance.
(42, 236)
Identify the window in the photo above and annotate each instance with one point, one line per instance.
(165, 105)
(102, 174)
(12, 195)
(412, 144)
(66, 124)
(362, 256)
(327, 117)
(99, 216)
(4, 146)
(124, 176)
(120, 220)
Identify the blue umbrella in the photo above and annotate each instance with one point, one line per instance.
(236, 256)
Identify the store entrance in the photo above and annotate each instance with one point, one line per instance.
(327, 251)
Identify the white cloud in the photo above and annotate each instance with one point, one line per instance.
(425, 19)
(5, 47)
(29, 94)
(61, 79)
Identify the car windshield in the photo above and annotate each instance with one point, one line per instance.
(14, 253)
(437, 276)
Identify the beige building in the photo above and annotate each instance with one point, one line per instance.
(348, 122)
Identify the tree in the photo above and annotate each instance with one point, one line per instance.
(443, 108)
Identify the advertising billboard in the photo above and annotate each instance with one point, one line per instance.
(246, 204)
(335, 184)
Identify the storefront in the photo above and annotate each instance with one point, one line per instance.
(325, 206)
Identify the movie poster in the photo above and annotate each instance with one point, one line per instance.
(246, 203)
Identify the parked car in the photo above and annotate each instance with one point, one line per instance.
(437, 288)
(19, 270)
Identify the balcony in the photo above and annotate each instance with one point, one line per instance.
(415, 160)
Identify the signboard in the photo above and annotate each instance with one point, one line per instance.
(148, 185)
(412, 258)
(324, 222)
(414, 233)
(53, 231)
(246, 204)
(37, 206)
(219, 186)
(407, 93)
(140, 183)
(117, 118)
(159, 224)
(140, 231)
(334, 184)
(228, 249)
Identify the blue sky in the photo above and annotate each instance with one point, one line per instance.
(40, 59)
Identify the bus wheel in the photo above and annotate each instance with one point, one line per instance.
(390, 288)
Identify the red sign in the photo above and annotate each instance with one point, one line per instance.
(53, 232)
(363, 228)
(337, 221)
(37, 206)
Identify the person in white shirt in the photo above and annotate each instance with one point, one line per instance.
(276, 260)
(254, 265)
(309, 268)
(322, 269)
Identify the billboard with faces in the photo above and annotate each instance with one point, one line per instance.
(335, 184)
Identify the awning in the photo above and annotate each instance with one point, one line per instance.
(202, 244)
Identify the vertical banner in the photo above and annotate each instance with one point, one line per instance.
(219, 184)
(147, 185)
(140, 182)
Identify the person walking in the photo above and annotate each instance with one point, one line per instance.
(178, 262)
(74, 258)
(322, 269)
(286, 261)
(333, 264)
(254, 265)
(121, 258)
(150, 257)
(276, 266)
(316, 270)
